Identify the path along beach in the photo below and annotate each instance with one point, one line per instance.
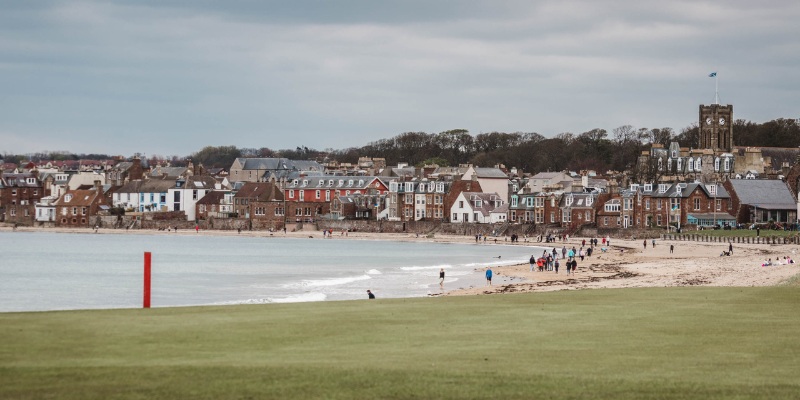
(625, 264)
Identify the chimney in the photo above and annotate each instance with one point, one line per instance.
(98, 186)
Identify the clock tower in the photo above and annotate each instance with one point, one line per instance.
(716, 127)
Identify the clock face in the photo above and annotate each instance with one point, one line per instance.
(708, 121)
(722, 121)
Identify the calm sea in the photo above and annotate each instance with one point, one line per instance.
(54, 271)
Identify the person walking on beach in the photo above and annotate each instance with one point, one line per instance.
(370, 295)
(489, 276)
(645, 244)
(564, 252)
(654, 243)
(555, 265)
(441, 277)
(671, 248)
(532, 261)
(730, 247)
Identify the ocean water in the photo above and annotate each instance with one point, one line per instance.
(42, 271)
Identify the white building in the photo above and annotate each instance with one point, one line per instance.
(475, 207)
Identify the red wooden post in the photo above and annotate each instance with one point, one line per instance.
(147, 257)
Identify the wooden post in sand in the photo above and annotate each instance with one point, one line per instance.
(147, 258)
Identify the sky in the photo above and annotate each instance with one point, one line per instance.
(169, 77)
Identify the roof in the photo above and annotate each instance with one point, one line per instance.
(334, 182)
(487, 201)
(490, 173)
(147, 186)
(263, 191)
(771, 194)
(173, 172)
(77, 198)
(212, 197)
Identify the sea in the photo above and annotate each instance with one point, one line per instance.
(45, 271)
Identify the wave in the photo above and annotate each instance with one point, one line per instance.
(374, 272)
(445, 266)
(328, 282)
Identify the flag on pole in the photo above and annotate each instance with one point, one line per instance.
(713, 74)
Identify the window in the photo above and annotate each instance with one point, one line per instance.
(514, 201)
(716, 164)
(298, 211)
(627, 204)
(194, 195)
(455, 216)
(83, 211)
(658, 204)
(605, 221)
(588, 216)
(327, 195)
(566, 217)
(478, 204)
(690, 165)
(646, 204)
(658, 219)
(552, 217)
(302, 195)
(291, 194)
(696, 203)
(719, 204)
(619, 221)
(74, 210)
(727, 164)
(460, 204)
(318, 195)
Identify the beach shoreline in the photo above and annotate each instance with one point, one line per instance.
(626, 264)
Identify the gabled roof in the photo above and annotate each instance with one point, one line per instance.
(764, 193)
(263, 191)
(212, 197)
(487, 201)
(77, 198)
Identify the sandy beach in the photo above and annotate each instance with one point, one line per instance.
(626, 264)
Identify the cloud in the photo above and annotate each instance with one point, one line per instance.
(170, 77)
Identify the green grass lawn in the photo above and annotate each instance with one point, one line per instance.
(656, 343)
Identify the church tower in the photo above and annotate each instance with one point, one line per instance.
(716, 127)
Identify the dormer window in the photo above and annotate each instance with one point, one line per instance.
(589, 200)
(679, 164)
(360, 182)
(67, 198)
(569, 200)
(716, 164)
(727, 164)
(674, 154)
(648, 187)
(321, 182)
(690, 166)
(662, 188)
(305, 182)
(350, 183)
(712, 189)
(478, 203)
(330, 182)
(698, 164)
(660, 165)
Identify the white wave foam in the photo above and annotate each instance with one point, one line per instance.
(374, 272)
(329, 281)
(445, 266)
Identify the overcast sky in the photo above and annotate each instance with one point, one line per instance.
(170, 77)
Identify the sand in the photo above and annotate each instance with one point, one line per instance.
(626, 264)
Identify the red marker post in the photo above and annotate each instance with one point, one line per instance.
(147, 258)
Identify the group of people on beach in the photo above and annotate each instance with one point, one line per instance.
(786, 260)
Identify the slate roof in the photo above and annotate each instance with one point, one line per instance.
(77, 198)
(147, 186)
(770, 194)
(263, 191)
(333, 182)
(490, 173)
(487, 201)
(172, 172)
(21, 180)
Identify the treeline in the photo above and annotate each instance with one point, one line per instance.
(596, 149)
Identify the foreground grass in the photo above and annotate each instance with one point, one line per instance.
(633, 343)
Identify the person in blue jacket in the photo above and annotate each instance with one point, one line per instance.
(489, 276)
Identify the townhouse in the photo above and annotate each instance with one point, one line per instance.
(260, 205)
(477, 207)
(309, 198)
(75, 208)
(19, 193)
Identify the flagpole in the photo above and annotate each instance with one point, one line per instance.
(716, 89)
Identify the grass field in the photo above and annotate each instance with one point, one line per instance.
(657, 343)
